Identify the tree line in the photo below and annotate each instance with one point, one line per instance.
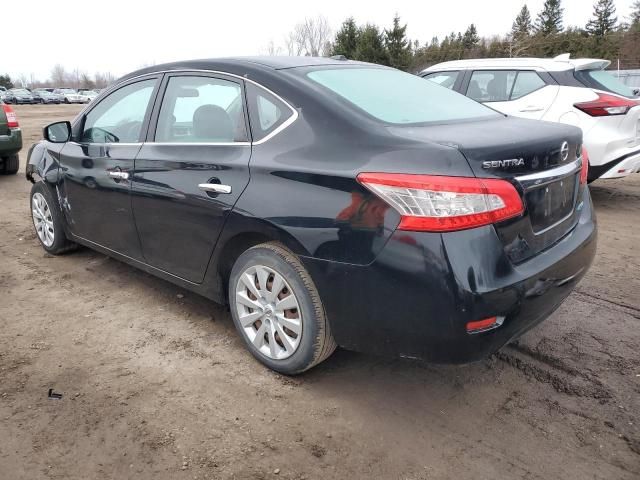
(604, 36)
(60, 77)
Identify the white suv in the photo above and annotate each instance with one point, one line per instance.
(577, 92)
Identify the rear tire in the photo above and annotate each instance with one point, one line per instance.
(10, 164)
(48, 222)
(290, 333)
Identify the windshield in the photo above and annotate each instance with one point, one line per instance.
(21, 91)
(605, 81)
(397, 97)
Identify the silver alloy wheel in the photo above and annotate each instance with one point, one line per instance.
(42, 219)
(268, 312)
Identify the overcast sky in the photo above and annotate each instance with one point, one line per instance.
(123, 35)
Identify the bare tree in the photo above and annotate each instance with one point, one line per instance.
(311, 37)
(58, 75)
(273, 49)
(86, 81)
(22, 80)
(103, 80)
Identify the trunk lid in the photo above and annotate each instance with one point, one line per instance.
(541, 159)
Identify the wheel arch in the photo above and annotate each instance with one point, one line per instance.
(240, 234)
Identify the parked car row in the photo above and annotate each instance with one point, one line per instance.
(18, 96)
(327, 202)
(577, 92)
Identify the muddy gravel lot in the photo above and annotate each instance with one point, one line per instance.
(155, 383)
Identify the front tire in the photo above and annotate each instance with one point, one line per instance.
(47, 221)
(11, 164)
(277, 310)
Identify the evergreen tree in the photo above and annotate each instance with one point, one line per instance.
(346, 41)
(522, 25)
(604, 18)
(5, 81)
(549, 20)
(371, 45)
(635, 13)
(470, 38)
(397, 45)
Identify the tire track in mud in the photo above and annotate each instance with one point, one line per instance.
(622, 307)
(550, 370)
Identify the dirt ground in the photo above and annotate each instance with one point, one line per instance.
(156, 384)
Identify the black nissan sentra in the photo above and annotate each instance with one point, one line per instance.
(328, 202)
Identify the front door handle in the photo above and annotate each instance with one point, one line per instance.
(119, 175)
(215, 187)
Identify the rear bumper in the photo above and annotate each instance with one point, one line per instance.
(12, 143)
(620, 167)
(416, 298)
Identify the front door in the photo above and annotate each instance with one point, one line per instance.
(191, 171)
(96, 166)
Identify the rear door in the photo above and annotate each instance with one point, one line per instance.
(190, 171)
(97, 164)
(521, 93)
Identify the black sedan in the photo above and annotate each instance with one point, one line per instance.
(19, 96)
(328, 202)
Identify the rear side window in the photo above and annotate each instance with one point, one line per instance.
(603, 80)
(503, 85)
(396, 97)
(266, 112)
(201, 110)
(444, 79)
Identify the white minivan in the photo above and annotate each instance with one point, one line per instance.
(574, 91)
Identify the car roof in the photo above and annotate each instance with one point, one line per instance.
(556, 64)
(231, 64)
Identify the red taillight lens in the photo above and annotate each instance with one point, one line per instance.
(444, 204)
(606, 105)
(12, 120)
(584, 172)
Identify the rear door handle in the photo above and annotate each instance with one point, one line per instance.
(119, 175)
(532, 108)
(215, 187)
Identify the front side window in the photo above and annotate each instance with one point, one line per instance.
(201, 109)
(120, 116)
(396, 97)
(266, 112)
(491, 86)
(444, 79)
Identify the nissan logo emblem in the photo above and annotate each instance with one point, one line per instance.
(564, 151)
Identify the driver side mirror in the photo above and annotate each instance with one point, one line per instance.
(59, 132)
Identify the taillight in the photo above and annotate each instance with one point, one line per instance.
(606, 105)
(444, 204)
(12, 120)
(584, 172)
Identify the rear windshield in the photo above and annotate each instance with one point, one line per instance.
(399, 98)
(604, 80)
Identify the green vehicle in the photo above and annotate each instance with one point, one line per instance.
(10, 140)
